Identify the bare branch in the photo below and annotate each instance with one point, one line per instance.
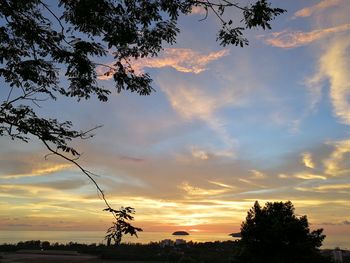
(83, 170)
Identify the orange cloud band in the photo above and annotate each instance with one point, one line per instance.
(293, 39)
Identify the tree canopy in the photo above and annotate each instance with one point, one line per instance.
(53, 48)
(274, 233)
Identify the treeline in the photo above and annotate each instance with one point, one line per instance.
(190, 252)
(207, 252)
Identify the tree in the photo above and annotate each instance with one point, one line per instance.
(41, 38)
(275, 234)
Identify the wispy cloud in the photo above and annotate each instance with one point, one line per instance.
(131, 159)
(309, 176)
(326, 188)
(43, 169)
(200, 154)
(334, 164)
(335, 65)
(181, 59)
(307, 160)
(204, 155)
(333, 187)
(257, 174)
(222, 184)
(198, 10)
(198, 103)
(29, 164)
(322, 5)
(250, 182)
(197, 191)
(293, 39)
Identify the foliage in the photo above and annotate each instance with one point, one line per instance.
(45, 44)
(121, 225)
(274, 233)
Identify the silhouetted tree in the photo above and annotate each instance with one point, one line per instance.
(45, 44)
(274, 234)
(121, 226)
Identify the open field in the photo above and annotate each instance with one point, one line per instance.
(55, 258)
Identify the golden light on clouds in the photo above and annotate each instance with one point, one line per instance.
(320, 6)
(181, 59)
(328, 188)
(307, 160)
(251, 182)
(42, 169)
(203, 106)
(200, 154)
(257, 174)
(333, 164)
(333, 187)
(335, 67)
(197, 191)
(222, 184)
(308, 176)
(293, 39)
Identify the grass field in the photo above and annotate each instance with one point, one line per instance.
(54, 258)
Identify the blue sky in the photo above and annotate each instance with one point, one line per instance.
(225, 127)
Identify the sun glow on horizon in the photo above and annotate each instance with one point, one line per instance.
(226, 127)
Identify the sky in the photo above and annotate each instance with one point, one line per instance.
(225, 127)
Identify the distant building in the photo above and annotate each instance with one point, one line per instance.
(180, 242)
(337, 255)
(167, 243)
(236, 235)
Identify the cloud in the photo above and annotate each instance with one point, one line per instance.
(293, 39)
(307, 176)
(48, 192)
(322, 5)
(205, 155)
(345, 222)
(131, 159)
(334, 67)
(257, 174)
(334, 164)
(307, 160)
(63, 184)
(200, 154)
(249, 182)
(222, 184)
(42, 169)
(328, 187)
(52, 187)
(198, 10)
(198, 103)
(23, 164)
(197, 191)
(181, 59)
